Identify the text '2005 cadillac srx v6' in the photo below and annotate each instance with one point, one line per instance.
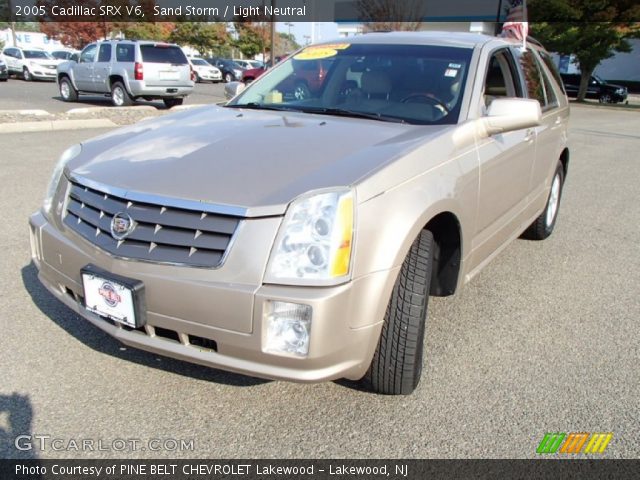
(397, 175)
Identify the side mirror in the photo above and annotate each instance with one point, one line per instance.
(74, 58)
(232, 89)
(509, 114)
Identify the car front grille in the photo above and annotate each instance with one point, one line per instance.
(160, 234)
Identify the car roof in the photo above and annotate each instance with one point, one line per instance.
(453, 39)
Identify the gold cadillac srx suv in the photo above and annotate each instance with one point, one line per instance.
(410, 164)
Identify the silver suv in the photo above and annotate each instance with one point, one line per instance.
(128, 70)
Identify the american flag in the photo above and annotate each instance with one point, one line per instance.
(516, 25)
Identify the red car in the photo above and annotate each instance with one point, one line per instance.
(251, 74)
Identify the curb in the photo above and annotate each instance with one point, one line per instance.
(21, 127)
(38, 113)
(83, 110)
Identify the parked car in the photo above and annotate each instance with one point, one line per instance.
(420, 157)
(597, 89)
(253, 73)
(63, 55)
(4, 71)
(127, 70)
(204, 71)
(231, 71)
(248, 64)
(30, 63)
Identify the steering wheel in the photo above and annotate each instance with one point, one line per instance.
(431, 99)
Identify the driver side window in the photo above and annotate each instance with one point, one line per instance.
(88, 55)
(500, 79)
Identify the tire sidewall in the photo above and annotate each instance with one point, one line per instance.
(559, 172)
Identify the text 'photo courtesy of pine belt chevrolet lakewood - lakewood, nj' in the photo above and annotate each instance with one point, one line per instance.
(393, 167)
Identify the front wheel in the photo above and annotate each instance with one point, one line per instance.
(26, 75)
(543, 226)
(67, 92)
(119, 95)
(173, 102)
(605, 98)
(228, 78)
(397, 362)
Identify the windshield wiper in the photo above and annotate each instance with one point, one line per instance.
(340, 112)
(260, 106)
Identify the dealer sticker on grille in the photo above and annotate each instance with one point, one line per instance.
(109, 299)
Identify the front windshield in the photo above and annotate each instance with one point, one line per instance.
(36, 54)
(416, 84)
(196, 61)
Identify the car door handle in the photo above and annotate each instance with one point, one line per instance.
(529, 134)
(558, 121)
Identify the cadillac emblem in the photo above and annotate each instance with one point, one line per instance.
(121, 226)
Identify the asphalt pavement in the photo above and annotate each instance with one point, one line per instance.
(545, 339)
(16, 94)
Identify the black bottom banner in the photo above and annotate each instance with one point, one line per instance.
(314, 469)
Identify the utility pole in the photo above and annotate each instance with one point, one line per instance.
(273, 35)
(12, 23)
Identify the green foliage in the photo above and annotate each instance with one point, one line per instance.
(144, 30)
(21, 26)
(253, 37)
(203, 36)
(592, 30)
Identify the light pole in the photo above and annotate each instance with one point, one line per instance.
(289, 24)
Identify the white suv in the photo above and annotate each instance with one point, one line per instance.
(30, 63)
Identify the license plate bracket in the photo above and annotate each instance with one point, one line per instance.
(115, 297)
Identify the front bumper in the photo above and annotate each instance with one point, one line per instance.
(182, 301)
(43, 73)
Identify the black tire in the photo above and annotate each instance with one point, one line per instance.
(26, 74)
(119, 95)
(301, 91)
(397, 363)
(198, 79)
(173, 102)
(543, 226)
(228, 77)
(605, 98)
(67, 92)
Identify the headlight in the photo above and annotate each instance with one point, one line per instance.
(68, 154)
(315, 240)
(238, 73)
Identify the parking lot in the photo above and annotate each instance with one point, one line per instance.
(545, 339)
(16, 94)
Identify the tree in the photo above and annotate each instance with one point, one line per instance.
(159, 31)
(74, 34)
(285, 43)
(389, 15)
(203, 36)
(592, 30)
(252, 37)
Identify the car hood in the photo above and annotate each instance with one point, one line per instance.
(44, 61)
(201, 155)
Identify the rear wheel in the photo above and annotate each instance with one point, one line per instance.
(397, 363)
(67, 92)
(26, 75)
(119, 95)
(173, 102)
(228, 77)
(543, 226)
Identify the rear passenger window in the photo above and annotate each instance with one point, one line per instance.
(548, 61)
(105, 53)
(125, 53)
(538, 85)
(163, 54)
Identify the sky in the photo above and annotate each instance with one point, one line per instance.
(322, 31)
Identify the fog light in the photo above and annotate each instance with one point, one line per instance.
(288, 328)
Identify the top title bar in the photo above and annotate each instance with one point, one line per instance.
(342, 11)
